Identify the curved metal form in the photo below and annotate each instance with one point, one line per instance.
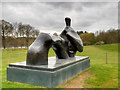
(38, 50)
(66, 45)
(72, 39)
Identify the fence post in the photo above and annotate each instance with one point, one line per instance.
(106, 57)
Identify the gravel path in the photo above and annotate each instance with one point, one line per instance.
(76, 82)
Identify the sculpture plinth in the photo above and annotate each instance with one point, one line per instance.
(51, 75)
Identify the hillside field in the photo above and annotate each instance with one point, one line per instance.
(102, 75)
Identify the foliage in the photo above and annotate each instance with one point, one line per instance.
(79, 32)
(7, 29)
(109, 37)
(101, 37)
(88, 38)
(18, 41)
(17, 30)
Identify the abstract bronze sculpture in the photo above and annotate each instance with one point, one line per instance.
(65, 46)
(41, 70)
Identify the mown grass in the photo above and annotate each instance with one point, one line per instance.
(103, 75)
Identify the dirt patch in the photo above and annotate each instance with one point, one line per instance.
(77, 81)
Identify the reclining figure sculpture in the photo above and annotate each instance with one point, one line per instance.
(65, 46)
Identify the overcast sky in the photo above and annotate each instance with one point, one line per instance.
(49, 17)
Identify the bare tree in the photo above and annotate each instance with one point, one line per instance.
(0, 33)
(21, 29)
(15, 29)
(7, 29)
(15, 33)
(34, 33)
(21, 33)
(28, 29)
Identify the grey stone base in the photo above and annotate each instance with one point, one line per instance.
(47, 76)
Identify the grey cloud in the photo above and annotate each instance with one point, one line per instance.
(60, 4)
(95, 4)
(49, 17)
(65, 5)
(60, 0)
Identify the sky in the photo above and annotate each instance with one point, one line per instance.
(49, 17)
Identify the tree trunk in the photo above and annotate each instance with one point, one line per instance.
(4, 42)
(3, 36)
(27, 41)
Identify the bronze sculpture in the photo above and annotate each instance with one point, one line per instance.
(65, 46)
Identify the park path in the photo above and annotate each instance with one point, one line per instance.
(77, 81)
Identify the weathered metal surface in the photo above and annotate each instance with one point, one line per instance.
(65, 46)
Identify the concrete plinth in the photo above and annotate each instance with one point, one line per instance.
(51, 75)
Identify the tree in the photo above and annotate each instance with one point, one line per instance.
(21, 33)
(88, 38)
(34, 33)
(15, 29)
(28, 29)
(37, 32)
(21, 29)
(79, 32)
(7, 29)
(86, 32)
(108, 37)
(0, 32)
(15, 33)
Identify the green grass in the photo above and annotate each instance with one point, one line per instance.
(110, 47)
(103, 75)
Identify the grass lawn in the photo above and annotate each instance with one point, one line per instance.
(103, 75)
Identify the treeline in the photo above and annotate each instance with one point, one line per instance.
(99, 37)
(22, 35)
(17, 34)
